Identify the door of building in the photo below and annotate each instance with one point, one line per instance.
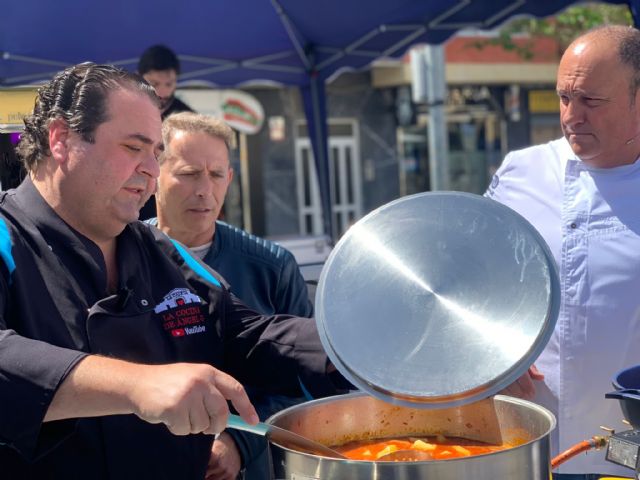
(345, 178)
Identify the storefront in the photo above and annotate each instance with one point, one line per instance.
(475, 144)
(495, 102)
(544, 111)
(15, 104)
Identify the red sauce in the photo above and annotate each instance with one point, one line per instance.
(439, 447)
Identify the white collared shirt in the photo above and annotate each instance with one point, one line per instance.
(590, 219)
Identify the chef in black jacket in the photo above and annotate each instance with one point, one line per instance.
(113, 339)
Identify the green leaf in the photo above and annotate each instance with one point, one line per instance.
(564, 26)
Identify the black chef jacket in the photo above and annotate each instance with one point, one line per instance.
(168, 308)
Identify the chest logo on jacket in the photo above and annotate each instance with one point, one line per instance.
(181, 312)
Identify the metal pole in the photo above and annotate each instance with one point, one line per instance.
(247, 223)
(429, 86)
(438, 135)
(322, 158)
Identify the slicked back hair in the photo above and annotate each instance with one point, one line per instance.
(78, 95)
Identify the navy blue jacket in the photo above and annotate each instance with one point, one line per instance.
(261, 273)
(264, 275)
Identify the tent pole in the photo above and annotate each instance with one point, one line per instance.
(315, 111)
(319, 133)
(634, 6)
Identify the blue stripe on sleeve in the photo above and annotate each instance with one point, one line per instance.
(5, 247)
(193, 264)
(305, 392)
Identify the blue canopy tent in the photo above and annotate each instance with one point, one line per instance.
(235, 42)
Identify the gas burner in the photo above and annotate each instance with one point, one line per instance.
(623, 449)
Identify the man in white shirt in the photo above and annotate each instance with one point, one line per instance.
(582, 193)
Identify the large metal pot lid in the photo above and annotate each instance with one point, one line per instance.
(437, 299)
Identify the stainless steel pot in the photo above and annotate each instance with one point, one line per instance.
(358, 416)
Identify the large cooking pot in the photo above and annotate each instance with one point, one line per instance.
(431, 304)
(358, 416)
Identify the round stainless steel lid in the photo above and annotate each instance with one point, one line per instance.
(437, 299)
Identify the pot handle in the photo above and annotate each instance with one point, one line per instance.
(625, 394)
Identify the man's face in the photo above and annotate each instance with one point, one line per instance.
(193, 182)
(105, 183)
(164, 83)
(598, 116)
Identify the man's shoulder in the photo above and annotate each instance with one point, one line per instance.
(251, 247)
(176, 106)
(530, 168)
(180, 106)
(545, 157)
(159, 244)
(153, 237)
(559, 149)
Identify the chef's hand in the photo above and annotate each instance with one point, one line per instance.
(225, 462)
(189, 398)
(524, 386)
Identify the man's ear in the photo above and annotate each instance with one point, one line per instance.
(230, 176)
(58, 140)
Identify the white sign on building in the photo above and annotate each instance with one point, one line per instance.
(240, 110)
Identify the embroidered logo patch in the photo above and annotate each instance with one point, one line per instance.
(176, 298)
(495, 181)
(181, 312)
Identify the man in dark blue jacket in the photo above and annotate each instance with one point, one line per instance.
(112, 337)
(195, 174)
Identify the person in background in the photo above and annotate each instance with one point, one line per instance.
(112, 337)
(160, 67)
(195, 174)
(581, 193)
(11, 170)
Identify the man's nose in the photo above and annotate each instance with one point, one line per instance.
(163, 92)
(149, 166)
(204, 187)
(572, 113)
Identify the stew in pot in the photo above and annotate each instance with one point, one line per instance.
(439, 447)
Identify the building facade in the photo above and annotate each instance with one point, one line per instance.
(378, 140)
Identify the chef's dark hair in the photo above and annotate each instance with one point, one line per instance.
(158, 57)
(78, 95)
